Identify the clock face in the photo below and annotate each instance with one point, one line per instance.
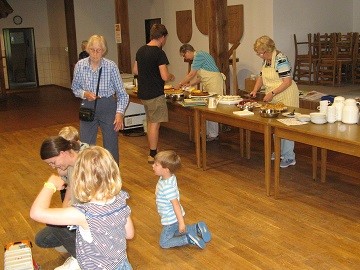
(17, 19)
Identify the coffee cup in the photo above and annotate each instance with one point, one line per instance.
(323, 106)
(212, 102)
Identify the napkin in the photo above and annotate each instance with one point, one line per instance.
(243, 113)
(291, 122)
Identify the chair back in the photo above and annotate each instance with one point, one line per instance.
(344, 46)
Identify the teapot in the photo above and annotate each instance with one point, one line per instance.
(350, 112)
(213, 102)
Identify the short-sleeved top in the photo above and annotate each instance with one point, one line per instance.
(282, 65)
(203, 60)
(150, 83)
(166, 191)
(107, 250)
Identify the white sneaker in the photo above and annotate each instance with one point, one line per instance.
(70, 264)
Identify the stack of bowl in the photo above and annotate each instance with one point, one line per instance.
(318, 118)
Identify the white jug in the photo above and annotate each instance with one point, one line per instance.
(350, 112)
(339, 105)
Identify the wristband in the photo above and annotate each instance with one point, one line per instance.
(50, 186)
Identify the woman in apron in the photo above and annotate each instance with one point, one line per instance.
(279, 86)
(204, 71)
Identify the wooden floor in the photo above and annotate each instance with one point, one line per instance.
(312, 225)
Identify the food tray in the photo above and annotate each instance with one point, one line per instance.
(230, 100)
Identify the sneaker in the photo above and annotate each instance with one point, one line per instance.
(151, 160)
(210, 139)
(203, 231)
(61, 249)
(287, 162)
(70, 264)
(195, 240)
(273, 156)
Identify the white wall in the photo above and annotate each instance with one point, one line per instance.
(96, 17)
(34, 14)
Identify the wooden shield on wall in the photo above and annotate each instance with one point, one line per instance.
(201, 16)
(235, 23)
(184, 25)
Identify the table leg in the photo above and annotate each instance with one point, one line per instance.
(267, 157)
(248, 143)
(314, 162)
(191, 129)
(203, 141)
(277, 144)
(323, 165)
(197, 137)
(241, 136)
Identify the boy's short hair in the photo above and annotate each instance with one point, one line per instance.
(168, 159)
(69, 133)
(157, 31)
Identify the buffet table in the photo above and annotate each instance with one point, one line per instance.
(180, 118)
(224, 114)
(339, 137)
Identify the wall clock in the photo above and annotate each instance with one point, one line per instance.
(17, 19)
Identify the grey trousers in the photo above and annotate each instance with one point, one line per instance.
(55, 236)
(104, 118)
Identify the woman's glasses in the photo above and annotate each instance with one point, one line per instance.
(95, 50)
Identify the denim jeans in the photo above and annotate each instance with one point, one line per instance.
(125, 265)
(54, 236)
(212, 129)
(287, 149)
(170, 236)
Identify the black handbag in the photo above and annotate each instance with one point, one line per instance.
(88, 114)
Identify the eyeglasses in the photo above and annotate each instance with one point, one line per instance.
(95, 50)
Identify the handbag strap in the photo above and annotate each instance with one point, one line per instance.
(97, 87)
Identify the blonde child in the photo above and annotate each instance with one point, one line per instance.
(174, 232)
(102, 218)
(71, 134)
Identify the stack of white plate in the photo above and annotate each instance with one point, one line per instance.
(318, 118)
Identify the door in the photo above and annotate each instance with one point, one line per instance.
(20, 57)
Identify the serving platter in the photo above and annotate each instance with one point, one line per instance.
(230, 100)
(209, 94)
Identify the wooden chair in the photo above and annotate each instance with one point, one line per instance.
(335, 59)
(322, 48)
(303, 66)
(356, 59)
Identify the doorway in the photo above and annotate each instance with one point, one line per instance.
(148, 24)
(20, 57)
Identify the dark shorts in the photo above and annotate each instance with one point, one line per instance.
(156, 109)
